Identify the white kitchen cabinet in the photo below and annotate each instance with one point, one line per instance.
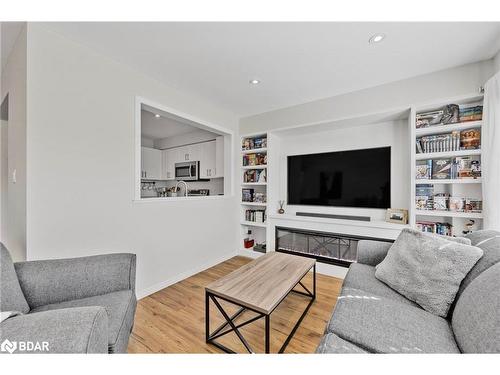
(219, 156)
(209, 154)
(151, 163)
(207, 160)
(170, 157)
(190, 153)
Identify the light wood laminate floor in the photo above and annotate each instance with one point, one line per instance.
(172, 320)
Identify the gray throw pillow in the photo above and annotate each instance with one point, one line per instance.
(427, 269)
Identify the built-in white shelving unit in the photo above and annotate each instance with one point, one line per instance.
(258, 229)
(447, 154)
(447, 128)
(456, 181)
(457, 187)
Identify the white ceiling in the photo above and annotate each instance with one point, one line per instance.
(296, 62)
(162, 127)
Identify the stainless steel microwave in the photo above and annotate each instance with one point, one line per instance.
(189, 171)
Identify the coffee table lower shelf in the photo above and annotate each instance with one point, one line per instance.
(220, 331)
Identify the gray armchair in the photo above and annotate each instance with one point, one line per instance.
(79, 305)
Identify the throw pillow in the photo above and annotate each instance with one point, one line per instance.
(427, 269)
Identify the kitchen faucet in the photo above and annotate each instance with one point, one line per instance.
(185, 187)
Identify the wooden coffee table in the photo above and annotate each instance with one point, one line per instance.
(258, 286)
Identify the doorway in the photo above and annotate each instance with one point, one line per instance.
(4, 164)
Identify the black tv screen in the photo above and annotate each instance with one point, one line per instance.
(357, 178)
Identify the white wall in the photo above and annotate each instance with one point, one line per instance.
(81, 168)
(392, 133)
(13, 212)
(496, 62)
(452, 82)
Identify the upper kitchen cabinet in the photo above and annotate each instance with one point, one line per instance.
(207, 159)
(190, 153)
(219, 156)
(170, 157)
(151, 163)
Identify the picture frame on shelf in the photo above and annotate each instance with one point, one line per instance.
(396, 216)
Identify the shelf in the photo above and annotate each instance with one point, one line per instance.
(439, 129)
(449, 181)
(254, 204)
(471, 215)
(447, 154)
(254, 183)
(262, 150)
(254, 224)
(264, 166)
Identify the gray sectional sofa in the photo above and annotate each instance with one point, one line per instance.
(370, 317)
(79, 305)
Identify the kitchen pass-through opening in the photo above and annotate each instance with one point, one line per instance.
(178, 156)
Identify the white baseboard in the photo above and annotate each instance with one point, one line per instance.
(184, 275)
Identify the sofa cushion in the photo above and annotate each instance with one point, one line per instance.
(362, 276)
(381, 325)
(489, 242)
(476, 318)
(120, 307)
(11, 294)
(331, 343)
(427, 269)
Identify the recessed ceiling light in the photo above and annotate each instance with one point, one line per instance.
(157, 115)
(254, 81)
(377, 38)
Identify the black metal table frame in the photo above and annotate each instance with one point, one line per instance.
(230, 320)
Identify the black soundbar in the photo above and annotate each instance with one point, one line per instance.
(332, 216)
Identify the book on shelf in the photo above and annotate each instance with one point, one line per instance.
(466, 167)
(256, 216)
(450, 114)
(470, 139)
(254, 175)
(424, 170)
(254, 160)
(260, 198)
(473, 205)
(457, 204)
(441, 169)
(426, 201)
(444, 229)
(247, 195)
(460, 167)
(439, 143)
(252, 143)
(471, 112)
(440, 202)
(424, 197)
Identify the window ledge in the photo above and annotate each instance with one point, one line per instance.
(181, 199)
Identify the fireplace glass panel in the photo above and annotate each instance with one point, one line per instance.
(326, 247)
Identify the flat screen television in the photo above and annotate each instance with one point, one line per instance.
(355, 178)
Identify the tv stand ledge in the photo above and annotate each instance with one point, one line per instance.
(376, 229)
